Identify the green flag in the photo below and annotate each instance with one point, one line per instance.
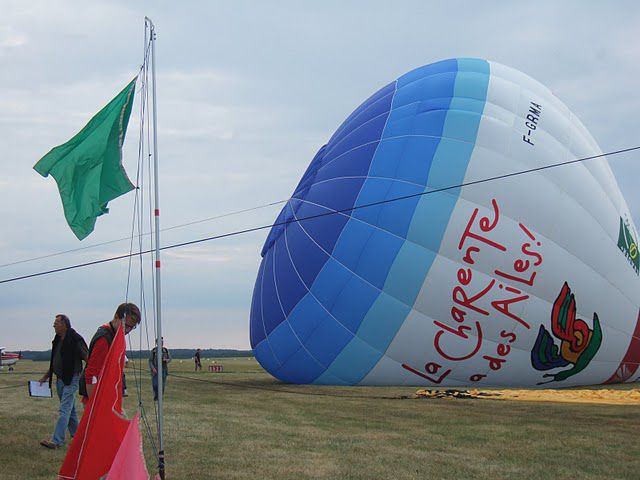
(88, 168)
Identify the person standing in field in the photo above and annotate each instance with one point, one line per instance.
(153, 366)
(197, 360)
(128, 315)
(68, 350)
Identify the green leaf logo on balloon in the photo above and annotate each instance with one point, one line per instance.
(628, 245)
(578, 343)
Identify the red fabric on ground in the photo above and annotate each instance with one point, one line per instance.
(129, 463)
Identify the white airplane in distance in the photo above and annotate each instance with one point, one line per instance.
(8, 359)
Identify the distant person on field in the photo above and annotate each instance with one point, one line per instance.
(153, 365)
(197, 360)
(68, 350)
(128, 315)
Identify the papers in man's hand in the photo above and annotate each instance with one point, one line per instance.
(37, 389)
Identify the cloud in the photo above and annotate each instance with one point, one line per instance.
(10, 40)
(200, 256)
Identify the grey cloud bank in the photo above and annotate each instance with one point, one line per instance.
(247, 93)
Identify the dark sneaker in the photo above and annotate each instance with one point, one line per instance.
(49, 444)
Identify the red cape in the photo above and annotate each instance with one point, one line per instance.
(129, 463)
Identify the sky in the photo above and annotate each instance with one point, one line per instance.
(247, 92)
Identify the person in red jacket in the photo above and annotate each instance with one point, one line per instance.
(127, 314)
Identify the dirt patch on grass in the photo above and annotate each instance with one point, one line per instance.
(604, 396)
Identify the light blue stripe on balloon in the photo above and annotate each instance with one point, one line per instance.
(408, 272)
(475, 80)
(355, 358)
(428, 224)
(327, 379)
(383, 321)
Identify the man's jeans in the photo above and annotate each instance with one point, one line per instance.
(67, 417)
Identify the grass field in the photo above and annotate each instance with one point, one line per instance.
(244, 424)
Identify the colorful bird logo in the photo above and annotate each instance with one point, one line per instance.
(578, 343)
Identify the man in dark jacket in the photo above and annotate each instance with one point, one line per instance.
(68, 350)
(153, 366)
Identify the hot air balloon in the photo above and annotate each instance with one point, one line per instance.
(393, 263)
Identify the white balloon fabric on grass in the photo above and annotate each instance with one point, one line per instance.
(520, 281)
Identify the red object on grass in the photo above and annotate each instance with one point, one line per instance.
(103, 425)
(129, 463)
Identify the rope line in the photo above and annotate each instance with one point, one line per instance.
(138, 220)
(117, 240)
(333, 212)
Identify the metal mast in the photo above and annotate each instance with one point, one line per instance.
(157, 253)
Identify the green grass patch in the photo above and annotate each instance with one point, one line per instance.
(243, 423)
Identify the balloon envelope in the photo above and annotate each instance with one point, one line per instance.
(390, 266)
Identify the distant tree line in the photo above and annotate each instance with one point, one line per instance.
(177, 353)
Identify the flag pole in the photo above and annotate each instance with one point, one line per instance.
(159, 346)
